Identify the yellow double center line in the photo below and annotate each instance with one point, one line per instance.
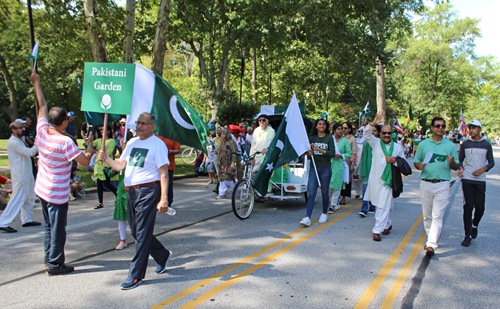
(252, 268)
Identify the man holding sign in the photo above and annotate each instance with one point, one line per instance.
(435, 157)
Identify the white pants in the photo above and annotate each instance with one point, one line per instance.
(358, 187)
(224, 185)
(335, 197)
(434, 198)
(382, 220)
(20, 201)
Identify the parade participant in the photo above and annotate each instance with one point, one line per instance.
(435, 184)
(249, 136)
(379, 190)
(227, 163)
(358, 188)
(262, 138)
(174, 148)
(339, 166)
(146, 183)
(364, 168)
(21, 172)
(323, 150)
(347, 131)
(475, 158)
(100, 169)
(56, 151)
(456, 138)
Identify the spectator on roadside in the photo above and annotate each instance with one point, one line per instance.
(6, 190)
(75, 185)
(71, 129)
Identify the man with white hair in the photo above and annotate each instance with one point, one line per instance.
(21, 171)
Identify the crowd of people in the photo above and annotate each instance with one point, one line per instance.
(373, 157)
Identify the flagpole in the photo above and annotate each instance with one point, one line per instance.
(316, 170)
(32, 41)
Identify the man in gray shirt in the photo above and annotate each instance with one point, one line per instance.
(475, 159)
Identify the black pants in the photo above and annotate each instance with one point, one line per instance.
(100, 187)
(56, 219)
(473, 200)
(141, 209)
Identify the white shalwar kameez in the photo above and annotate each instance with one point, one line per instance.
(376, 192)
(23, 183)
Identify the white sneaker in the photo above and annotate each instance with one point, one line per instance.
(337, 207)
(331, 209)
(305, 221)
(323, 218)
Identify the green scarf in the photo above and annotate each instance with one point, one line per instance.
(387, 175)
(366, 161)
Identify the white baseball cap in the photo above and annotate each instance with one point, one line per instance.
(476, 123)
(20, 120)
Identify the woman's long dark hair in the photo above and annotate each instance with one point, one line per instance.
(314, 130)
(349, 125)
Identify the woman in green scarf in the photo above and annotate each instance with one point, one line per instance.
(338, 166)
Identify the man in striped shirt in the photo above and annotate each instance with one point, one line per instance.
(56, 152)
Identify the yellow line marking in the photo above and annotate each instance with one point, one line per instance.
(237, 264)
(224, 285)
(384, 272)
(398, 284)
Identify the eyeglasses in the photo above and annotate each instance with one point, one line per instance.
(263, 120)
(345, 128)
(439, 126)
(385, 133)
(142, 123)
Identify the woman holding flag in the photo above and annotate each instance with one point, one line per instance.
(323, 149)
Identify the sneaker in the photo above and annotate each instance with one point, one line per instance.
(362, 214)
(331, 210)
(61, 270)
(323, 218)
(122, 245)
(466, 241)
(221, 197)
(337, 207)
(371, 211)
(305, 221)
(473, 233)
(357, 196)
(162, 267)
(130, 283)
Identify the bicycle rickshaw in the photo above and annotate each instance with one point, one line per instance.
(289, 183)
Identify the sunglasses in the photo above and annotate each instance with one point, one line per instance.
(263, 120)
(345, 128)
(439, 126)
(386, 133)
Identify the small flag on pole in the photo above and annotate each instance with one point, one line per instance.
(410, 116)
(397, 125)
(34, 54)
(324, 116)
(211, 125)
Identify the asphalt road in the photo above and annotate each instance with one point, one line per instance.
(266, 261)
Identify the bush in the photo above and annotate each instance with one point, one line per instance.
(229, 108)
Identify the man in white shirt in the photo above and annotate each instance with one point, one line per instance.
(146, 183)
(262, 138)
(21, 171)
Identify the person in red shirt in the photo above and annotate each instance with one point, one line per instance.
(173, 149)
(4, 191)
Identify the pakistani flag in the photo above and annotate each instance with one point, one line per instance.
(175, 118)
(288, 144)
(34, 53)
(211, 125)
(434, 158)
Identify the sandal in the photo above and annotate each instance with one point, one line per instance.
(98, 206)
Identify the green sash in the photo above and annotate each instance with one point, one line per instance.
(387, 175)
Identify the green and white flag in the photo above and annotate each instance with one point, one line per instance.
(280, 110)
(324, 116)
(34, 53)
(434, 157)
(175, 118)
(211, 125)
(288, 144)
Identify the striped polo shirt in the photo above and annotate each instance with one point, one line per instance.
(56, 151)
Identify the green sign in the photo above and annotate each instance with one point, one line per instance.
(108, 87)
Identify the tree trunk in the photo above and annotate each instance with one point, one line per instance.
(227, 82)
(160, 43)
(254, 75)
(380, 86)
(96, 39)
(10, 110)
(128, 41)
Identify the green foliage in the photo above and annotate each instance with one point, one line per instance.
(229, 108)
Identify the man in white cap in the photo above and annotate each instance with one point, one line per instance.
(475, 159)
(23, 194)
(262, 138)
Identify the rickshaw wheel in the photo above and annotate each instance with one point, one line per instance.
(243, 199)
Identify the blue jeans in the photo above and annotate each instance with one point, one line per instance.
(364, 207)
(325, 174)
(56, 219)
